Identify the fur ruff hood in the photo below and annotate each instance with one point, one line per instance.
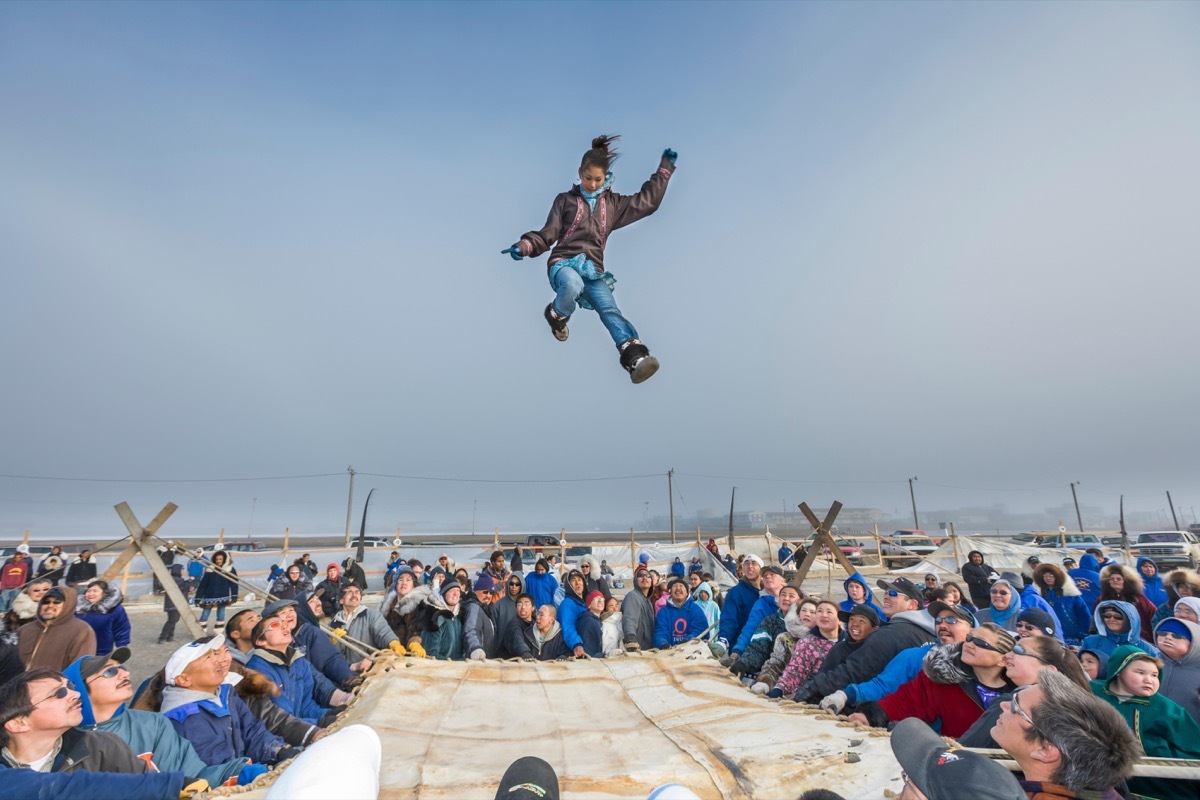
(943, 664)
(405, 605)
(253, 684)
(1188, 576)
(595, 565)
(1132, 579)
(112, 598)
(1063, 582)
(793, 624)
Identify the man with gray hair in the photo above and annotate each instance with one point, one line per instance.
(1066, 741)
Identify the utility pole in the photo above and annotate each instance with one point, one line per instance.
(349, 504)
(646, 518)
(1174, 518)
(731, 514)
(912, 494)
(671, 497)
(1075, 497)
(253, 506)
(474, 505)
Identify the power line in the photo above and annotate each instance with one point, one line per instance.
(170, 480)
(511, 480)
(784, 480)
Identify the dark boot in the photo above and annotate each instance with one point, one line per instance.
(636, 358)
(558, 323)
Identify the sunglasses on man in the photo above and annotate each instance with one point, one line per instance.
(111, 672)
(58, 694)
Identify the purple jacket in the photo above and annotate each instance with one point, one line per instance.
(578, 229)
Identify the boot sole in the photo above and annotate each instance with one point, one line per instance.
(645, 368)
(561, 335)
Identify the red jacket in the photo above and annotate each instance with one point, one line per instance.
(14, 575)
(956, 704)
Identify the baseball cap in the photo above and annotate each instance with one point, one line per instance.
(937, 608)
(94, 665)
(905, 587)
(1038, 618)
(774, 569)
(275, 606)
(861, 610)
(179, 660)
(942, 771)
(528, 778)
(754, 558)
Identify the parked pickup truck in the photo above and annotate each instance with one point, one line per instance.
(1168, 549)
(906, 549)
(1078, 541)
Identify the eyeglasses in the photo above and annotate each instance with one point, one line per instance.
(58, 694)
(1170, 635)
(975, 640)
(111, 672)
(1014, 705)
(892, 593)
(948, 621)
(1020, 650)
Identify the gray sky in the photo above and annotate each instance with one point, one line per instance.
(955, 241)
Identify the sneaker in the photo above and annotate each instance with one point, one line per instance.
(558, 323)
(636, 359)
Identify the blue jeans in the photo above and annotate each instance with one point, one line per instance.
(570, 285)
(205, 611)
(6, 599)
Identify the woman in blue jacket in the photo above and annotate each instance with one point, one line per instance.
(1059, 590)
(100, 606)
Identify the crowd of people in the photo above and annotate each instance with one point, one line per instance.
(1075, 703)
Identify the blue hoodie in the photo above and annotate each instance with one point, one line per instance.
(1106, 641)
(848, 605)
(1087, 578)
(152, 737)
(763, 608)
(677, 624)
(1153, 588)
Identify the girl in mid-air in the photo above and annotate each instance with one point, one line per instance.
(578, 226)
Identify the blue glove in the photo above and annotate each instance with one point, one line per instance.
(776, 692)
(670, 155)
(250, 772)
(514, 252)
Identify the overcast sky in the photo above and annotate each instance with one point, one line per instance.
(956, 241)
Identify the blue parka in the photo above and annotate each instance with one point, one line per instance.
(220, 731)
(848, 605)
(569, 612)
(763, 608)
(1073, 611)
(677, 624)
(29, 785)
(541, 587)
(1087, 578)
(1153, 588)
(304, 692)
(738, 602)
(1106, 641)
(903, 667)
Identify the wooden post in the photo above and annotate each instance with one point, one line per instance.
(633, 553)
(1062, 534)
(25, 538)
(221, 537)
(822, 538)
(287, 535)
(770, 549)
(954, 539)
(496, 540)
(878, 545)
(125, 578)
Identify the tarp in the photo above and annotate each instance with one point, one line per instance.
(611, 728)
(1002, 555)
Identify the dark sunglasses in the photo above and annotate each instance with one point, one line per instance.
(111, 672)
(948, 621)
(978, 642)
(46, 601)
(58, 694)
(514, 583)
(1112, 616)
(1021, 651)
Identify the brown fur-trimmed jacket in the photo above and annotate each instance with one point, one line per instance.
(256, 691)
(403, 614)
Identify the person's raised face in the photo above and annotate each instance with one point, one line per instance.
(976, 652)
(1022, 667)
(827, 618)
(204, 674)
(1025, 630)
(276, 636)
(858, 627)
(894, 602)
(1049, 579)
(452, 596)
(953, 596)
(293, 573)
(539, 568)
(544, 618)
(94, 594)
(950, 628)
(788, 597)
(679, 592)
(1183, 589)
(1016, 720)
(772, 582)
(612, 605)
(643, 581)
(525, 609)
(111, 686)
(405, 583)
(50, 607)
(931, 581)
(694, 580)
(314, 605)
(1001, 596)
(1184, 612)
(855, 592)
(1116, 582)
(288, 615)
(1114, 620)
(591, 178)
(1148, 569)
(37, 591)
(1139, 679)
(597, 605)
(50, 710)
(331, 573)
(351, 598)
(513, 585)
(807, 614)
(577, 584)
(245, 625)
(751, 569)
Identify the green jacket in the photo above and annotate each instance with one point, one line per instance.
(444, 639)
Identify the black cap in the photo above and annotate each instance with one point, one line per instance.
(861, 610)
(528, 778)
(772, 568)
(937, 608)
(1039, 619)
(905, 587)
(939, 770)
(94, 665)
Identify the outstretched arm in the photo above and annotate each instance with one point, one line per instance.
(534, 243)
(630, 208)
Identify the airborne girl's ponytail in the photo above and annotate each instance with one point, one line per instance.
(602, 154)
